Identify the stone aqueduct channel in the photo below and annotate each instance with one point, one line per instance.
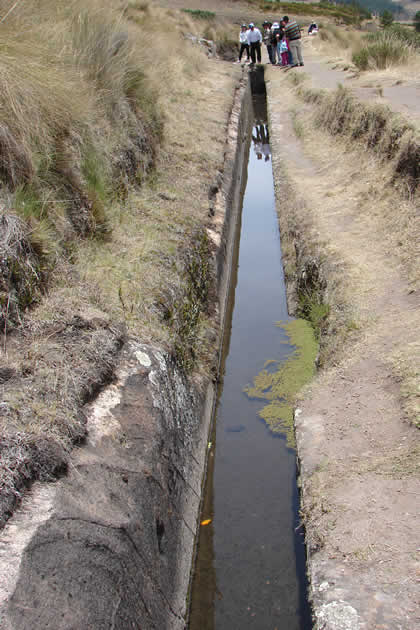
(110, 545)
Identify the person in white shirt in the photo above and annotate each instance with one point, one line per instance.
(243, 41)
(254, 41)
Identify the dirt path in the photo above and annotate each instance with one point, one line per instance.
(233, 12)
(400, 95)
(359, 456)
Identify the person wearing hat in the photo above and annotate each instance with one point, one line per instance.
(293, 35)
(267, 39)
(254, 41)
(243, 43)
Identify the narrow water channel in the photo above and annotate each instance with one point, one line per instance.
(250, 567)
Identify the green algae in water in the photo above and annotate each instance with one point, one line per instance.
(280, 387)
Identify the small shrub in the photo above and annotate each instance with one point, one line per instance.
(361, 59)
(313, 310)
(387, 18)
(318, 314)
(199, 14)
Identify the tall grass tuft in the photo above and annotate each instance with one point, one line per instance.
(78, 115)
(22, 270)
(382, 50)
(405, 34)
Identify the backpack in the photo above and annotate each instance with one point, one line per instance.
(274, 40)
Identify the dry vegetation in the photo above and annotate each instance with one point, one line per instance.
(78, 122)
(375, 127)
(109, 143)
(375, 175)
(396, 49)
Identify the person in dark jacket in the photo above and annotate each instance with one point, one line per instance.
(267, 40)
(276, 35)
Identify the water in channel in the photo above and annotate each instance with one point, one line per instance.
(250, 567)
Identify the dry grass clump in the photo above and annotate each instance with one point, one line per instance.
(315, 510)
(338, 38)
(24, 457)
(375, 126)
(393, 47)
(79, 121)
(23, 270)
(183, 304)
(382, 51)
(405, 366)
(44, 384)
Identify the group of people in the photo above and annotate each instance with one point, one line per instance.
(282, 39)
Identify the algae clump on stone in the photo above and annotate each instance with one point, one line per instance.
(281, 386)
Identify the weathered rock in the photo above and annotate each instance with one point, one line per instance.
(107, 547)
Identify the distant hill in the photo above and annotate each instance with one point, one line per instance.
(411, 6)
(379, 6)
(402, 9)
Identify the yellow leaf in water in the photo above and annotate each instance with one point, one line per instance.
(206, 521)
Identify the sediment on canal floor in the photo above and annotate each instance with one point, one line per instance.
(110, 544)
